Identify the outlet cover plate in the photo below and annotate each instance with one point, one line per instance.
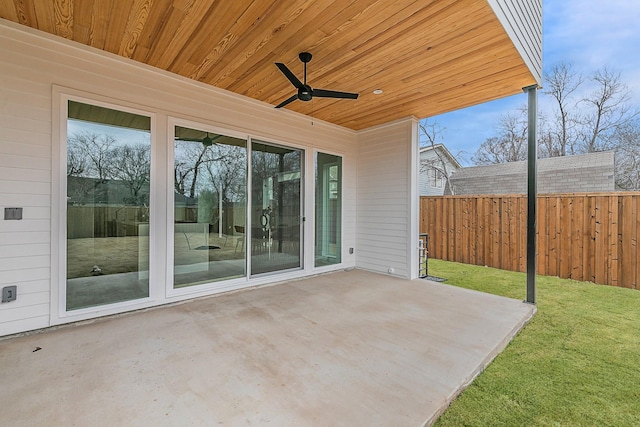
(9, 293)
(12, 213)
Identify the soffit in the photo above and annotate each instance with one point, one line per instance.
(429, 57)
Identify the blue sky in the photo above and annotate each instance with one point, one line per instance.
(590, 34)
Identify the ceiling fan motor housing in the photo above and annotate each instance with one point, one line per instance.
(305, 57)
(305, 93)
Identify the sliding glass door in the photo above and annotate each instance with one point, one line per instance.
(276, 208)
(210, 179)
(213, 233)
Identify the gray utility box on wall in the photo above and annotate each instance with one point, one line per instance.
(9, 293)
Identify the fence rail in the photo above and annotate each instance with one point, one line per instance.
(589, 237)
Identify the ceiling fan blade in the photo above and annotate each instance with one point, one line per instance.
(177, 138)
(288, 74)
(322, 93)
(288, 101)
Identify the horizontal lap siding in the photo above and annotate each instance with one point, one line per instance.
(522, 19)
(383, 228)
(25, 181)
(587, 237)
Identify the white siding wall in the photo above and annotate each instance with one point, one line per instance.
(425, 177)
(522, 19)
(33, 67)
(387, 199)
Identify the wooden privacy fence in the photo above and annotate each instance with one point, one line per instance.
(589, 237)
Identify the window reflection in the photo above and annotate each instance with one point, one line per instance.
(276, 208)
(209, 207)
(328, 225)
(108, 177)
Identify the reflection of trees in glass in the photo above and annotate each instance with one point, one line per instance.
(229, 173)
(263, 167)
(91, 154)
(274, 177)
(190, 157)
(217, 167)
(132, 166)
(210, 179)
(101, 169)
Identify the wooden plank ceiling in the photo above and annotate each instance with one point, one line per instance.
(429, 57)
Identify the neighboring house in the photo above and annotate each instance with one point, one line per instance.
(570, 174)
(316, 186)
(436, 162)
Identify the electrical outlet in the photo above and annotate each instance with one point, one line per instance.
(9, 293)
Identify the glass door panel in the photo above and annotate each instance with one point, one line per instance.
(108, 175)
(328, 223)
(276, 208)
(210, 175)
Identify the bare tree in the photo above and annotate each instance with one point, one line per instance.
(89, 163)
(76, 160)
(229, 174)
(561, 135)
(605, 110)
(92, 153)
(78, 186)
(603, 119)
(627, 141)
(510, 145)
(190, 157)
(131, 165)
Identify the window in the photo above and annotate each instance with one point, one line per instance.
(437, 177)
(108, 157)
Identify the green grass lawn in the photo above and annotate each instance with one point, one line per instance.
(577, 363)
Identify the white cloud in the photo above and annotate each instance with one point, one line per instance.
(592, 33)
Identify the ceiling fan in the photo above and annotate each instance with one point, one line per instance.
(207, 141)
(306, 92)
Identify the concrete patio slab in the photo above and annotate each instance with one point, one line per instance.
(344, 349)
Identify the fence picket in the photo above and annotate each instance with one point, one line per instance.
(592, 236)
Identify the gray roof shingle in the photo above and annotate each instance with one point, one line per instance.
(569, 174)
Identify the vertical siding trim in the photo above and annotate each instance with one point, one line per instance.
(414, 198)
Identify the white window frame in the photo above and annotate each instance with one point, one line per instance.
(436, 177)
(205, 288)
(59, 313)
(311, 219)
